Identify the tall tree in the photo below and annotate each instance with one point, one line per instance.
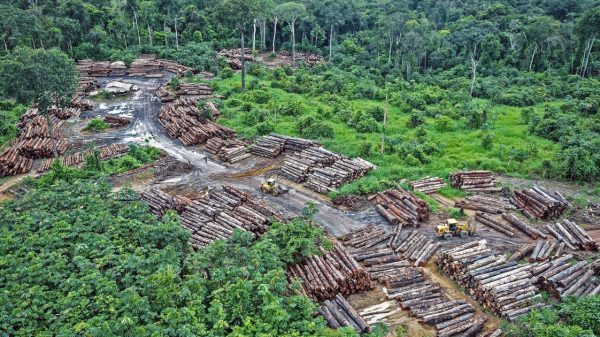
(239, 14)
(43, 77)
(588, 29)
(290, 12)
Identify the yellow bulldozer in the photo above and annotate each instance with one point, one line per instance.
(452, 228)
(270, 186)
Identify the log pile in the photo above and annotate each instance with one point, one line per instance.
(78, 158)
(234, 57)
(572, 235)
(159, 202)
(540, 203)
(502, 286)
(116, 121)
(220, 212)
(193, 89)
(364, 238)
(164, 94)
(86, 84)
(474, 181)
(543, 249)
(339, 313)
(523, 226)
(380, 312)
(413, 246)
(401, 207)
(12, 163)
(484, 203)
(424, 300)
(561, 278)
(497, 225)
(268, 146)
(323, 277)
(182, 121)
(147, 65)
(308, 59)
(82, 103)
(231, 150)
(428, 185)
(39, 147)
(64, 113)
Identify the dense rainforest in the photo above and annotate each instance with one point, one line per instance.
(416, 87)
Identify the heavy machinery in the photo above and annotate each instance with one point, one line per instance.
(272, 187)
(452, 228)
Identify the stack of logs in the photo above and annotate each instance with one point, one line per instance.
(182, 121)
(322, 277)
(234, 57)
(147, 65)
(499, 226)
(503, 286)
(308, 59)
(424, 300)
(413, 246)
(78, 158)
(401, 207)
(487, 204)
(82, 103)
(523, 226)
(428, 185)
(364, 238)
(214, 216)
(231, 150)
(220, 212)
(474, 181)
(194, 89)
(572, 235)
(339, 313)
(561, 278)
(116, 121)
(538, 202)
(541, 250)
(164, 94)
(86, 84)
(322, 170)
(268, 146)
(12, 163)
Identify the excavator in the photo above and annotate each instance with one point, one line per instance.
(452, 228)
(270, 186)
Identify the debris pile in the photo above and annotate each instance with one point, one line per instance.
(484, 203)
(182, 121)
(308, 59)
(231, 150)
(561, 278)
(572, 235)
(428, 185)
(323, 277)
(523, 226)
(502, 286)
(339, 313)
(538, 202)
(116, 121)
(401, 207)
(474, 181)
(78, 158)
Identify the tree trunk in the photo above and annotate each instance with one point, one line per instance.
(292, 25)
(176, 35)
(587, 58)
(51, 132)
(5, 45)
(330, 41)
(533, 56)
(165, 30)
(385, 111)
(243, 60)
(275, 20)
(390, 49)
(137, 26)
(150, 34)
(254, 36)
(474, 72)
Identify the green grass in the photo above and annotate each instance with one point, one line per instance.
(461, 148)
(96, 125)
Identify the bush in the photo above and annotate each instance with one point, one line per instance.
(318, 130)
(96, 125)
(174, 83)
(293, 108)
(226, 73)
(376, 112)
(444, 124)
(487, 141)
(417, 118)
(265, 128)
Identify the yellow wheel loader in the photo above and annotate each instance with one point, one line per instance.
(452, 228)
(270, 186)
